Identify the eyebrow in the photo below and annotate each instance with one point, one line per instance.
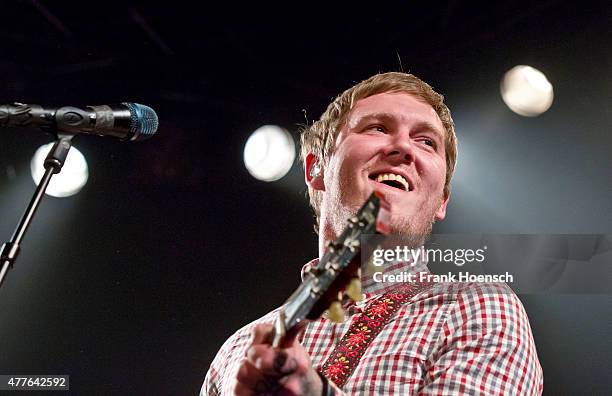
(389, 117)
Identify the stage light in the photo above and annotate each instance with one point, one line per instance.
(526, 91)
(70, 180)
(269, 153)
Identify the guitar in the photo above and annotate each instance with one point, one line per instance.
(337, 272)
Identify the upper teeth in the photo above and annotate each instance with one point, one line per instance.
(392, 176)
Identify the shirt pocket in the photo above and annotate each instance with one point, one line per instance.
(388, 374)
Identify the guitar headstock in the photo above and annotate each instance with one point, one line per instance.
(337, 272)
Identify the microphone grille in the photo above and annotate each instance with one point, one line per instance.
(143, 122)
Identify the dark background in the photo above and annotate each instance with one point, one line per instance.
(132, 285)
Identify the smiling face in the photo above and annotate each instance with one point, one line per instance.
(393, 143)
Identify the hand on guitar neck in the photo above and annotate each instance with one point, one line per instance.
(270, 370)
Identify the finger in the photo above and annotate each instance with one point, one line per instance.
(242, 390)
(260, 355)
(252, 381)
(262, 334)
(249, 376)
(277, 362)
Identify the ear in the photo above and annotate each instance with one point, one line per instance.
(441, 211)
(313, 182)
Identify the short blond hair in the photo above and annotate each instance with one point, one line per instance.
(319, 137)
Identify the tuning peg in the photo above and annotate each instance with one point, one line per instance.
(335, 312)
(353, 290)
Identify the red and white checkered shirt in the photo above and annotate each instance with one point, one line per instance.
(464, 338)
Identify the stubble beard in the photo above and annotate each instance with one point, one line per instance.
(412, 232)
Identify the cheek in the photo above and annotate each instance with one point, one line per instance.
(434, 171)
(350, 158)
(341, 173)
(345, 160)
(334, 174)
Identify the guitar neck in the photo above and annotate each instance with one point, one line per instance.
(335, 269)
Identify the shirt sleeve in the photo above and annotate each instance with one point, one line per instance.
(221, 376)
(211, 385)
(485, 347)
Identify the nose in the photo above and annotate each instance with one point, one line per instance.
(401, 149)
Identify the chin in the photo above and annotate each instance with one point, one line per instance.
(413, 228)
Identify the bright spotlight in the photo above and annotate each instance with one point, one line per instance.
(70, 180)
(526, 91)
(269, 153)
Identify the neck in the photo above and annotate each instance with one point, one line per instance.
(331, 224)
(326, 235)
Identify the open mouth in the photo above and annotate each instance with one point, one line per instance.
(392, 180)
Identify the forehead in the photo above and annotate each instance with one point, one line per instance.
(401, 106)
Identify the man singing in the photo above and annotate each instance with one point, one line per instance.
(391, 133)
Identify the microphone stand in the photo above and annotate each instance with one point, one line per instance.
(53, 164)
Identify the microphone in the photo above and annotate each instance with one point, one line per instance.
(125, 121)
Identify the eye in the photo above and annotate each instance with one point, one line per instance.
(376, 128)
(428, 142)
